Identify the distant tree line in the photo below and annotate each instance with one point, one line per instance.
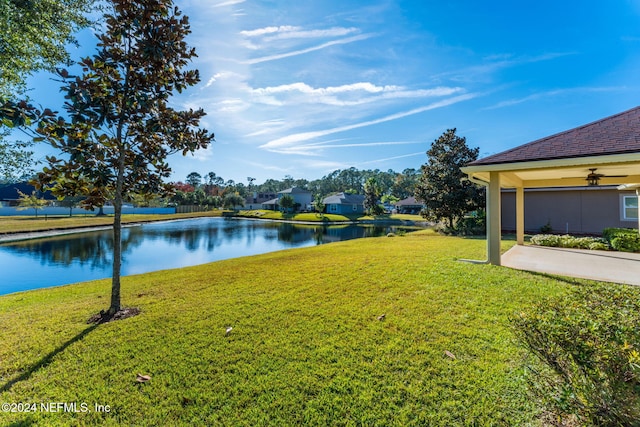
(212, 190)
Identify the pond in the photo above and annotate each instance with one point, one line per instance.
(55, 261)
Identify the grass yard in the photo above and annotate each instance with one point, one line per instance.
(14, 224)
(306, 348)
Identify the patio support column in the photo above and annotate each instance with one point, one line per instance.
(520, 215)
(638, 194)
(493, 219)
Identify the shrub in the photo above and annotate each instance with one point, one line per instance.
(587, 354)
(599, 246)
(546, 240)
(472, 225)
(623, 239)
(567, 241)
(610, 233)
(626, 243)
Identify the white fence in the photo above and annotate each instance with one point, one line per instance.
(59, 211)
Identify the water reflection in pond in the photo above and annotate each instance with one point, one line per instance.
(74, 258)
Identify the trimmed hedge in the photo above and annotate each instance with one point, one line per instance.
(623, 239)
(618, 239)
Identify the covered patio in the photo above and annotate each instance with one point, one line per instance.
(605, 152)
(605, 266)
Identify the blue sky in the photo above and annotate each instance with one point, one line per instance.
(301, 88)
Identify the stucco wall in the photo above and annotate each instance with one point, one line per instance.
(577, 211)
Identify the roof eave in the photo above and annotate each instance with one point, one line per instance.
(553, 163)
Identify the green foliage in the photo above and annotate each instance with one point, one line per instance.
(318, 204)
(626, 243)
(121, 128)
(472, 225)
(232, 201)
(33, 36)
(568, 241)
(619, 239)
(547, 228)
(372, 192)
(622, 239)
(587, 344)
(31, 201)
(286, 202)
(194, 179)
(16, 160)
(442, 187)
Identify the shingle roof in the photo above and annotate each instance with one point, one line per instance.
(616, 134)
(344, 199)
(409, 201)
(294, 190)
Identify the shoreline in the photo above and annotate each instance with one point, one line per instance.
(55, 232)
(32, 235)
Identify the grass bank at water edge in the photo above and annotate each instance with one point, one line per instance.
(307, 345)
(25, 224)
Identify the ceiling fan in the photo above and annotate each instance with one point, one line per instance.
(593, 178)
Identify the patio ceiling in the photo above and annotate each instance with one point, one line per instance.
(618, 169)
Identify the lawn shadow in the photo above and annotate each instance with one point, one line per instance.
(575, 281)
(46, 359)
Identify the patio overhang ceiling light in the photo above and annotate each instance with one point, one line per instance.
(593, 177)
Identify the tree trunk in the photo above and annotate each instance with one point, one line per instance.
(117, 257)
(117, 237)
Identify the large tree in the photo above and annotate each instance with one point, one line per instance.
(121, 128)
(442, 187)
(195, 179)
(372, 192)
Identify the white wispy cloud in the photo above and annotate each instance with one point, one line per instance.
(318, 148)
(553, 93)
(311, 34)
(494, 63)
(387, 159)
(291, 140)
(344, 95)
(228, 3)
(305, 88)
(218, 76)
(306, 50)
(283, 32)
(269, 30)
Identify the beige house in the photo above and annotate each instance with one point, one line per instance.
(598, 154)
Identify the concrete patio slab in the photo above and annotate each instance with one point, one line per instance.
(616, 267)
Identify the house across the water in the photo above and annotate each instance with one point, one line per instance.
(344, 204)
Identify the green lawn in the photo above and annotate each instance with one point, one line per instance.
(14, 224)
(306, 348)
